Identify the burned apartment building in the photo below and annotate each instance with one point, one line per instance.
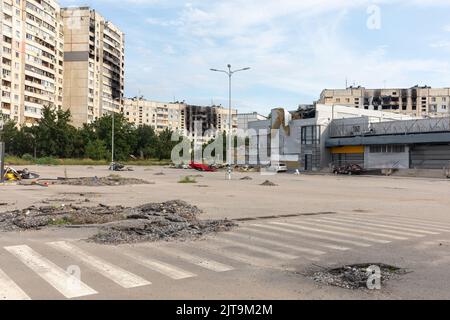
(416, 101)
(94, 65)
(206, 122)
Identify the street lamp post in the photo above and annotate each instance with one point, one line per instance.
(229, 73)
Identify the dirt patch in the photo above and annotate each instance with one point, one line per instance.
(111, 180)
(355, 276)
(117, 224)
(246, 178)
(268, 183)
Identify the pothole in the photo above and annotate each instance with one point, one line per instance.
(356, 276)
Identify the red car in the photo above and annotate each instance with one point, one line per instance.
(202, 167)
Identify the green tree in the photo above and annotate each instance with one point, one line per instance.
(96, 150)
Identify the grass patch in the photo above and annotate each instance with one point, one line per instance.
(60, 221)
(187, 179)
(27, 161)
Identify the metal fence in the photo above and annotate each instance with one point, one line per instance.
(363, 127)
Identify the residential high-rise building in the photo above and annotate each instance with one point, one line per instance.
(187, 119)
(94, 65)
(159, 115)
(31, 59)
(416, 101)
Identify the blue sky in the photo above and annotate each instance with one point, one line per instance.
(295, 48)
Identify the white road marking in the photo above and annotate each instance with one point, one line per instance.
(277, 234)
(277, 243)
(9, 290)
(384, 226)
(197, 260)
(400, 222)
(328, 232)
(428, 226)
(159, 266)
(50, 272)
(266, 251)
(310, 235)
(423, 221)
(352, 229)
(120, 276)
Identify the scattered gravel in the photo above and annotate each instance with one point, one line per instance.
(117, 224)
(111, 180)
(247, 178)
(354, 276)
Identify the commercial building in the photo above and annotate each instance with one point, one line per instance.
(410, 144)
(159, 115)
(299, 138)
(94, 65)
(416, 101)
(244, 118)
(31, 59)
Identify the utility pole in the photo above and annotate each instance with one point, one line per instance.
(229, 73)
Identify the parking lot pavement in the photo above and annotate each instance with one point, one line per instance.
(263, 258)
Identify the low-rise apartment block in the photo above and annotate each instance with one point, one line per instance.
(417, 101)
(159, 115)
(31, 58)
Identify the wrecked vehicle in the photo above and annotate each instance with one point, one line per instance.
(349, 169)
(12, 174)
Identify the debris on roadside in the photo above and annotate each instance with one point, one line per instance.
(246, 178)
(117, 224)
(355, 276)
(111, 180)
(187, 179)
(268, 183)
(160, 174)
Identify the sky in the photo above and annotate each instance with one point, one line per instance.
(295, 48)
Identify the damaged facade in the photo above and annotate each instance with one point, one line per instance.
(299, 138)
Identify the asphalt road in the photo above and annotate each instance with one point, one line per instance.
(262, 259)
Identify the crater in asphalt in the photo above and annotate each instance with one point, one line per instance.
(356, 276)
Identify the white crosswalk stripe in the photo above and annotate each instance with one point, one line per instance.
(51, 273)
(386, 227)
(159, 266)
(217, 248)
(287, 228)
(400, 222)
(266, 251)
(293, 224)
(349, 227)
(199, 261)
(348, 232)
(9, 290)
(428, 226)
(424, 221)
(120, 276)
(277, 235)
(277, 243)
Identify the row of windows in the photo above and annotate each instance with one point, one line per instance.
(387, 149)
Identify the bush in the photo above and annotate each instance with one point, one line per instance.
(47, 161)
(187, 179)
(96, 150)
(27, 157)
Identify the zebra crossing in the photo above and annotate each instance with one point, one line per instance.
(254, 244)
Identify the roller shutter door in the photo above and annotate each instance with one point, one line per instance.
(430, 156)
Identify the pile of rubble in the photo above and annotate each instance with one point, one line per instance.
(268, 183)
(117, 224)
(354, 276)
(111, 180)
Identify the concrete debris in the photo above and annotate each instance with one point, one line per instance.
(247, 178)
(355, 276)
(111, 180)
(160, 174)
(117, 224)
(268, 183)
